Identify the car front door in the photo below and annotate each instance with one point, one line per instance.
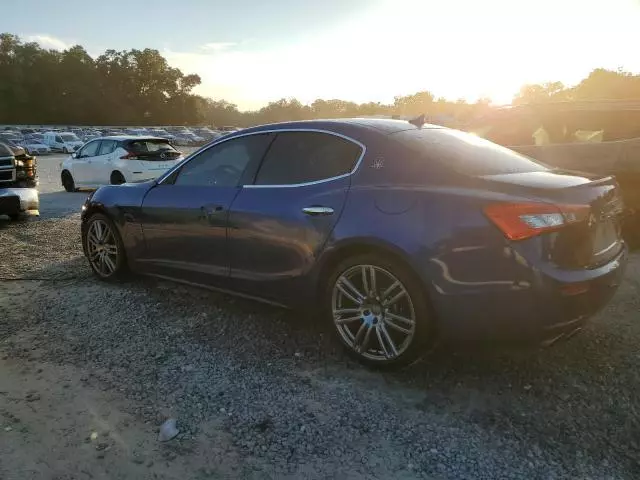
(82, 163)
(184, 217)
(102, 163)
(280, 223)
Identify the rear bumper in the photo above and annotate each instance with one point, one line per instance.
(19, 200)
(543, 312)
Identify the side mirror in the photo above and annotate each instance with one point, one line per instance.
(74, 155)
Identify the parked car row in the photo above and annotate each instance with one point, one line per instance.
(34, 139)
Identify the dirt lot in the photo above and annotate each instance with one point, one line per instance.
(88, 371)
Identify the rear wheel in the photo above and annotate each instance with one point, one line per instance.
(378, 311)
(104, 248)
(117, 178)
(67, 181)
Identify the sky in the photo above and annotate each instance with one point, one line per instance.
(251, 52)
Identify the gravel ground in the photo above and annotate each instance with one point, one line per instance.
(266, 393)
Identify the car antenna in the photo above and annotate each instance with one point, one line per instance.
(418, 121)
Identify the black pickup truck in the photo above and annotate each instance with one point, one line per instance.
(18, 182)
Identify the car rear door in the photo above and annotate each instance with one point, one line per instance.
(184, 217)
(279, 224)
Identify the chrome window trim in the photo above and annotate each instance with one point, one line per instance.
(278, 130)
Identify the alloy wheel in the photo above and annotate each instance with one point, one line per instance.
(102, 249)
(373, 312)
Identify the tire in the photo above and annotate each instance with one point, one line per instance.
(65, 150)
(117, 178)
(67, 181)
(99, 243)
(366, 329)
(15, 217)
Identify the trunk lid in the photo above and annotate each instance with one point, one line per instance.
(586, 244)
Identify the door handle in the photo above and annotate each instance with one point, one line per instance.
(317, 211)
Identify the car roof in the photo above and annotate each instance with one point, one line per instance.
(129, 137)
(365, 125)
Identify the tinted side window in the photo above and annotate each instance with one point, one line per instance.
(300, 157)
(223, 165)
(90, 149)
(106, 147)
(58, 139)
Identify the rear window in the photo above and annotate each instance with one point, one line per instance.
(150, 146)
(465, 153)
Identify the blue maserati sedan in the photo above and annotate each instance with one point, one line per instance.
(398, 233)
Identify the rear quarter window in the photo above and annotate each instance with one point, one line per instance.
(465, 153)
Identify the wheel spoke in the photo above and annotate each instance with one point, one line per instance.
(349, 291)
(365, 282)
(399, 318)
(342, 321)
(91, 238)
(111, 249)
(365, 343)
(102, 263)
(391, 288)
(109, 263)
(373, 284)
(97, 227)
(387, 338)
(345, 311)
(358, 337)
(396, 327)
(382, 344)
(397, 297)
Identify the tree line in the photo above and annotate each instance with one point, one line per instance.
(139, 87)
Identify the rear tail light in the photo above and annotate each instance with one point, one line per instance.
(519, 221)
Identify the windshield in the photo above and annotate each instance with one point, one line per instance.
(69, 137)
(466, 153)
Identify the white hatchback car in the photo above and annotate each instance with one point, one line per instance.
(118, 159)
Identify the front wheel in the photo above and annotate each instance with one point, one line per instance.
(379, 311)
(104, 248)
(67, 181)
(117, 178)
